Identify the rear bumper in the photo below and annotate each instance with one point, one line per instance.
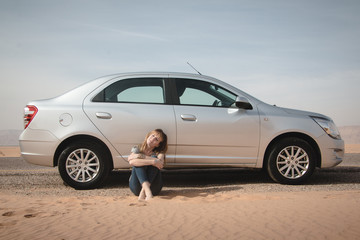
(38, 147)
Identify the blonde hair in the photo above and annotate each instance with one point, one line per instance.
(162, 148)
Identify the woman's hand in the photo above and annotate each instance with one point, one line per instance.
(158, 163)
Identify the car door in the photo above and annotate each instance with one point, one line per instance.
(211, 130)
(126, 110)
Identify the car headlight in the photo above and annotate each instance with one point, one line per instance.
(328, 126)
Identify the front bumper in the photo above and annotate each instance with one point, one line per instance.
(332, 151)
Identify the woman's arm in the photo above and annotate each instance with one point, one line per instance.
(135, 161)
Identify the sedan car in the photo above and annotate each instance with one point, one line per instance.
(90, 130)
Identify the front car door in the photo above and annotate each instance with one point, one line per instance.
(211, 130)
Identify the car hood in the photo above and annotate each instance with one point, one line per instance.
(303, 113)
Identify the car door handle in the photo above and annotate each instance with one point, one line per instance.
(188, 117)
(103, 115)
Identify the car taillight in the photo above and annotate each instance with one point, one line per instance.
(29, 113)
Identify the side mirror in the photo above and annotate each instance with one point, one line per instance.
(243, 103)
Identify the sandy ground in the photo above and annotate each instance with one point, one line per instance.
(308, 215)
(9, 151)
(324, 212)
(352, 148)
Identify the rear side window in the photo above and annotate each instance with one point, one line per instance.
(138, 90)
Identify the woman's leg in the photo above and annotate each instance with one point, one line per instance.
(138, 175)
(141, 175)
(139, 183)
(155, 179)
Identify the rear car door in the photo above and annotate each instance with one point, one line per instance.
(127, 109)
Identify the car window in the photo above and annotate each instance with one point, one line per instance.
(201, 93)
(143, 94)
(140, 90)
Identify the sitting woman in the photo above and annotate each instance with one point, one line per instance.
(146, 160)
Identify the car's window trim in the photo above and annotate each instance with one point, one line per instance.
(164, 92)
(176, 98)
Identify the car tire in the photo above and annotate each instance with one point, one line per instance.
(291, 161)
(84, 165)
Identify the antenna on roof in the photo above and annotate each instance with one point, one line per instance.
(194, 68)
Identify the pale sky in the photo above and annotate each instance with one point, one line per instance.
(295, 54)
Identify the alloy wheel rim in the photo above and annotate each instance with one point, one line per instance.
(82, 165)
(292, 162)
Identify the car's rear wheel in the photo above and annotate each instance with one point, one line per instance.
(84, 165)
(291, 161)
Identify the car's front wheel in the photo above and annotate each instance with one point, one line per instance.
(84, 165)
(291, 161)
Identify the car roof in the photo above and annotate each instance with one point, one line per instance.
(167, 74)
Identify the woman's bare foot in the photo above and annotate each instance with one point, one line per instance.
(142, 195)
(147, 191)
(149, 198)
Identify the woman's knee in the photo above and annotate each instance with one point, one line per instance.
(141, 174)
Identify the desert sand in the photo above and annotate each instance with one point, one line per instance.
(9, 151)
(182, 215)
(312, 215)
(352, 148)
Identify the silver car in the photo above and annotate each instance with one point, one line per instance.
(90, 130)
